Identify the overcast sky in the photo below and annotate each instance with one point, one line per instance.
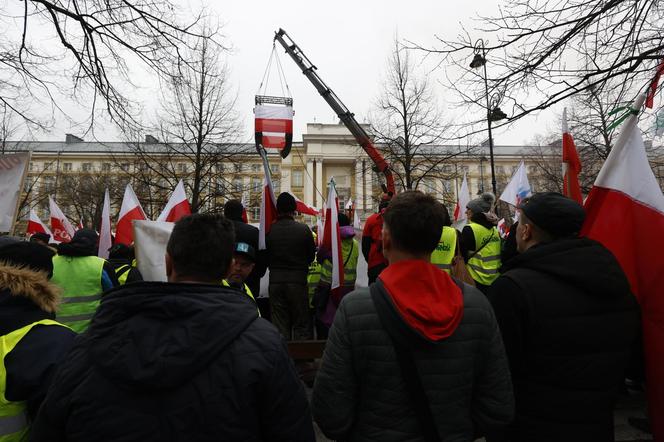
(349, 42)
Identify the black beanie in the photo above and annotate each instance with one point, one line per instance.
(286, 203)
(35, 256)
(557, 215)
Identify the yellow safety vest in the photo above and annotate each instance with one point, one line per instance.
(80, 279)
(13, 415)
(313, 278)
(444, 252)
(246, 290)
(350, 252)
(484, 265)
(122, 273)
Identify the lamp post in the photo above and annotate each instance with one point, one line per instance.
(482, 160)
(493, 112)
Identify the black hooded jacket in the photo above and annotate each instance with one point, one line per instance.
(568, 320)
(176, 362)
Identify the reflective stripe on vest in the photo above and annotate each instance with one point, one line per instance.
(80, 279)
(122, 273)
(246, 290)
(13, 418)
(444, 252)
(313, 278)
(485, 264)
(350, 254)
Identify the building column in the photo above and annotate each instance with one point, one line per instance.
(309, 183)
(319, 183)
(368, 188)
(359, 186)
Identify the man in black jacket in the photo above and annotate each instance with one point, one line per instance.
(290, 250)
(447, 333)
(183, 360)
(568, 319)
(248, 234)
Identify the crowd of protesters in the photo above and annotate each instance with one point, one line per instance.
(460, 334)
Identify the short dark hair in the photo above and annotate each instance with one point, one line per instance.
(343, 219)
(415, 221)
(286, 203)
(233, 210)
(201, 246)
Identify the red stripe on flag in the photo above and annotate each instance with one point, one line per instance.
(274, 142)
(34, 227)
(274, 125)
(178, 211)
(124, 232)
(571, 186)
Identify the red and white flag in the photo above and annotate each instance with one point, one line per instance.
(332, 236)
(274, 126)
(62, 229)
(625, 212)
(463, 198)
(518, 188)
(245, 202)
(320, 227)
(303, 208)
(503, 230)
(571, 165)
(35, 225)
(177, 205)
(650, 99)
(105, 239)
(130, 210)
(268, 212)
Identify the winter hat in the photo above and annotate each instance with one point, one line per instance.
(343, 220)
(35, 256)
(483, 204)
(286, 203)
(40, 236)
(557, 215)
(84, 243)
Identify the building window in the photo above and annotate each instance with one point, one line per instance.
(106, 167)
(297, 178)
(238, 167)
(220, 168)
(124, 167)
(274, 168)
(66, 167)
(47, 166)
(86, 167)
(31, 167)
(182, 167)
(237, 184)
(255, 184)
(256, 168)
(255, 212)
(48, 184)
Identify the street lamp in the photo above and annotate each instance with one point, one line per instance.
(482, 160)
(493, 112)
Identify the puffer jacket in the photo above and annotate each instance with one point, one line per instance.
(290, 251)
(360, 394)
(568, 321)
(176, 362)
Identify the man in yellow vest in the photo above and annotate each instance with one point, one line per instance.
(326, 300)
(480, 242)
(444, 252)
(83, 276)
(31, 342)
(122, 259)
(244, 260)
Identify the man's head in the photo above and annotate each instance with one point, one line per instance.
(244, 259)
(28, 254)
(547, 217)
(286, 204)
(411, 226)
(121, 251)
(200, 249)
(233, 210)
(41, 238)
(480, 205)
(343, 220)
(383, 205)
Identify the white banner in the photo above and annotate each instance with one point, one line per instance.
(150, 240)
(12, 172)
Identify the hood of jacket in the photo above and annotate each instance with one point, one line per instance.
(580, 262)
(29, 284)
(347, 232)
(425, 297)
(154, 336)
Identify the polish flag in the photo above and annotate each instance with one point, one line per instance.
(177, 205)
(571, 165)
(245, 202)
(105, 239)
(303, 208)
(332, 236)
(518, 188)
(321, 229)
(503, 230)
(268, 212)
(130, 210)
(462, 200)
(625, 212)
(35, 225)
(62, 229)
(274, 124)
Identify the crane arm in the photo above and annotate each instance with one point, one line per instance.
(345, 115)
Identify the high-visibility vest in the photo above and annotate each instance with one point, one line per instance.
(13, 415)
(313, 278)
(122, 273)
(245, 289)
(484, 265)
(80, 279)
(443, 254)
(349, 254)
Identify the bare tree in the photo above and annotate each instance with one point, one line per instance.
(408, 124)
(97, 42)
(199, 130)
(542, 52)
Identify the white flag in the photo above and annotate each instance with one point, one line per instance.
(150, 240)
(12, 171)
(105, 228)
(518, 187)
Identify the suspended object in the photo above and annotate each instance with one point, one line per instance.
(274, 114)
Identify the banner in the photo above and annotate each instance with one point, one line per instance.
(150, 240)
(13, 168)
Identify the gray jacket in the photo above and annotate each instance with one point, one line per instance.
(360, 395)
